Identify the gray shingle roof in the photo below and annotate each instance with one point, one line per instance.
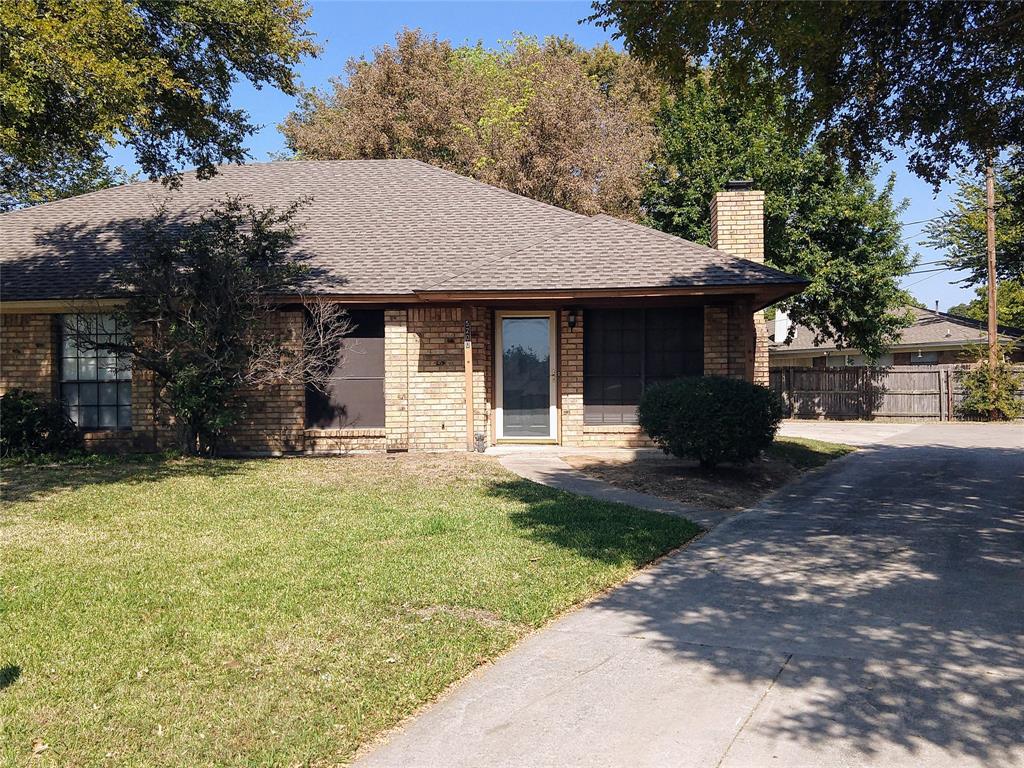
(929, 328)
(372, 227)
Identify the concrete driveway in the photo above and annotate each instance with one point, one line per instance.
(871, 614)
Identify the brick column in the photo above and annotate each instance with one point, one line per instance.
(570, 373)
(396, 378)
(737, 227)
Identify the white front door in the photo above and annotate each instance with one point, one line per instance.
(525, 374)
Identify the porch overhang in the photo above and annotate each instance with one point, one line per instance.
(760, 295)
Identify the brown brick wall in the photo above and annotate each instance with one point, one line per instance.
(424, 385)
(275, 417)
(434, 417)
(28, 347)
(727, 329)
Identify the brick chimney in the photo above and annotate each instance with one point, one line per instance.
(737, 227)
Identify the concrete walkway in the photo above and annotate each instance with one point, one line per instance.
(548, 468)
(871, 614)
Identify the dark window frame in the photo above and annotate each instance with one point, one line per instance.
(324, 411)
(95, 386)
(598, 409)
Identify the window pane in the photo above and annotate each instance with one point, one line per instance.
(88, 393)
(361, 358)
(69, 393)
(124, 394)
(124, 417)
(355, 393)
(106, 367)
(108, 416)
(69, 368)
(87, 368)
(87, 417)
(108, 394)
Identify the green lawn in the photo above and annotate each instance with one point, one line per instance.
(275, 612)
(805, 453)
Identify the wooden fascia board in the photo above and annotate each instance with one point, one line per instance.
(58, 306)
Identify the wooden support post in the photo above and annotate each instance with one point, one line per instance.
(467, 357)
(749, 341)
(993, 327)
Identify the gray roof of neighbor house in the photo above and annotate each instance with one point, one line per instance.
(929, 329)
(371, 228)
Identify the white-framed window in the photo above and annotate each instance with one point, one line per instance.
(95, 385)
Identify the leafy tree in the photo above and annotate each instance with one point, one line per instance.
(198, 316)
(831, 226)
(961, 232)
(1009, 304)
(547, 120)
(63, 178)
(76, 75)
(945, 80)
(991, 391)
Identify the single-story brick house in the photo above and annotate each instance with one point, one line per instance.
(933, 338)
(481, 316)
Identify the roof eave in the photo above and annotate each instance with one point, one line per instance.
(763, 293)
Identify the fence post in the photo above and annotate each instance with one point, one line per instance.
(788, 385)
(942, 398)
(949, 394)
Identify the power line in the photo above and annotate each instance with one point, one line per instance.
(922, 221)
(916, 282)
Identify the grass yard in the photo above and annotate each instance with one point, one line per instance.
(176, 612)
(726, 487)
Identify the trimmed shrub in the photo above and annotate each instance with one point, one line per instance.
(711, 419)
(982, 399)
(32, 424)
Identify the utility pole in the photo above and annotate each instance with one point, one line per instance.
(993, 328)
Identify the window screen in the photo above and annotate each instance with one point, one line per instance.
(627, 350)
(355, 394)
(95, 385)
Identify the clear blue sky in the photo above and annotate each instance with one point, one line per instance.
(352, 29)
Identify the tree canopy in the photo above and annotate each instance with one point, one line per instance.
(960, 231)
(943, 80)
(59, 180)
(831, 226)
(1009, 304)
(199, 315)
(155, 75)
(545, 119)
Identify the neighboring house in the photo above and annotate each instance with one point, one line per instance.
(481, 316)
(934, 338)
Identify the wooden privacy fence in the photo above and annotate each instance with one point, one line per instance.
(896, 392)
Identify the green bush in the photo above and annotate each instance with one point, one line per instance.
(711, 419)
(979, 398)
(32, 424)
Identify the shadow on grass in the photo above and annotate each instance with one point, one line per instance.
(610, 533)
(30, 480)
(9, 675)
